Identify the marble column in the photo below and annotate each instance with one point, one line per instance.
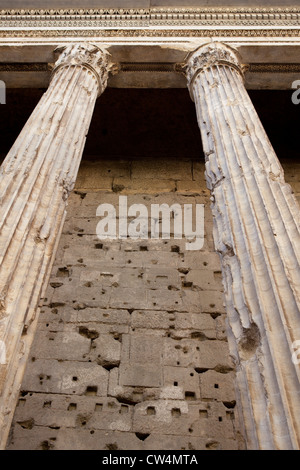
(35, 181)
(256, 232)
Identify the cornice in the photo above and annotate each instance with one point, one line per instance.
(148, 18)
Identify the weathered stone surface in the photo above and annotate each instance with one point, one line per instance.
(256, 231)
(68, 377)
(36, 178)
(132, 321)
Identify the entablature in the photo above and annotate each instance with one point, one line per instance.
(149, 44)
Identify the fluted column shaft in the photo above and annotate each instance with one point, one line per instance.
(256, 232)
(35, 180)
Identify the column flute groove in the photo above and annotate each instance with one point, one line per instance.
(256, 232)
(35, 180)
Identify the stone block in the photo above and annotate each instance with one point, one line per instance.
(140, 375)
(207, 354)
(192, 188)
(37, 438)
(150, 319)
(203, 279)
(164, 298)
(105, 167)
(181, 381)
(199, 173)
(106, 350)
(67, 377)
(217, 386)
(175, 418)
(103, 316)
(202, 260)
(130, 298)
(83, 439)
(169, 169)
(212, 302)
(191, 301)
(191, 325)
(127, 186)
(159, 277)
(64, 345)
(93, 181)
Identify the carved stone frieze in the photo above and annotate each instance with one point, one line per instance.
(150, 22)
(153, 16)
(150, 33)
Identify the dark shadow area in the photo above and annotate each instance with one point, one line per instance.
(154, 122)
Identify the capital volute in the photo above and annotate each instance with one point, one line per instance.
(87, 55)
(210, 55)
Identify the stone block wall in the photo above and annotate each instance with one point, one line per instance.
(131, 349)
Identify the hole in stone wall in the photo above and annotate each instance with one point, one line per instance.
(151, 410)
(201, 370)
(190, 395)
(27, 424)
(187, 284)
(230, 414)
(91, 390)
(176, 412)
(214, 315)
(81, 194)
(198, 335)
(143, 248)
(141, 435)
(124, 409)
(111, 446)
(212, 445)
(90, 334)
(21, 402)
(46, 445)
(62, 272)
(111, 404)
(229, 404)
(72, 406)
(217, 275)
(82, 419)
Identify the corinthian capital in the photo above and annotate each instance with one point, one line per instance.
(209, 55)
(89, 56)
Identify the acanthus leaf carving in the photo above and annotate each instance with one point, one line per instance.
(86, 55)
